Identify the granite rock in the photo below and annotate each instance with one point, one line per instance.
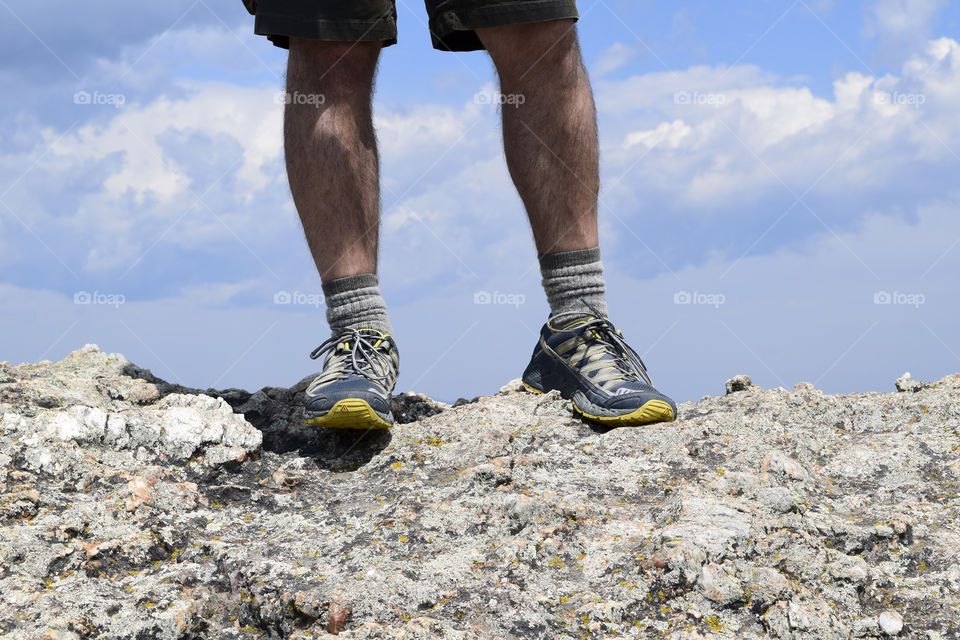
(133, 508)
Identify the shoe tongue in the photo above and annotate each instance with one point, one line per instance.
(346, 346)
(591, 336)
(374, 337)
(377, 338)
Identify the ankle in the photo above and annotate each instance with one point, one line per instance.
(574, 284)
(355, 302)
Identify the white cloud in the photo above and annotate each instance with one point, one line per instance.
(425, 128)
(658, 90)
(250, 116)
(612, 58)
(725, 134)
(669, 133)
(182, 172)
(779, 113)
(902, 20)
(446, 162)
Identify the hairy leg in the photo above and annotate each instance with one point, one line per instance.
(549, 130)
(331, 152)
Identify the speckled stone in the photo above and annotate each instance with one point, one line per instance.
(130, 507)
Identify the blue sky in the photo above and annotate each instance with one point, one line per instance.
(778, 195)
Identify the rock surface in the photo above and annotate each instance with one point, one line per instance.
(132, 508)
(906, 384)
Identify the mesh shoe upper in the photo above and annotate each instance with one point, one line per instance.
(361, 364)
(590, 358)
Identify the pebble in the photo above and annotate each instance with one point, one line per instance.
(906, 384)
(738, 383)
(779, 499)
(891, 622)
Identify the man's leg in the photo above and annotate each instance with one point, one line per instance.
(550, 140)
(550, 136)
(333, 168)
(332, 165)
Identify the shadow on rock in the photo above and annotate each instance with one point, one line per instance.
(278, 413)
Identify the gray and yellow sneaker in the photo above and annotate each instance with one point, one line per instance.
(590, 363)
(353, 391)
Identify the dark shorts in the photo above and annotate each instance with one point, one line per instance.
(452, 23)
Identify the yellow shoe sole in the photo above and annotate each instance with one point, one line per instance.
(650, 413)
(350, 413)
(530, 389)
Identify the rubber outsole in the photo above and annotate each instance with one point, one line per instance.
(531, 389)
(652, 412)
(349, 413)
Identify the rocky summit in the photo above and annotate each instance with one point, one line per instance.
(134, 508)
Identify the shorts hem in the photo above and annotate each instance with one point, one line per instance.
(280, 28)
(455, 29)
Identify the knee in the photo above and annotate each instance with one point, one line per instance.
(532, 47)
(336, 65)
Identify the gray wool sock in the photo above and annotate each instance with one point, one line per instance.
(354, 302)
(571, 278)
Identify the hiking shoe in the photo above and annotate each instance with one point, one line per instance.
(353, 391)
(591, 364)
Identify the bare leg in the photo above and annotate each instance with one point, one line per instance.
(331, 153)
(549, 130)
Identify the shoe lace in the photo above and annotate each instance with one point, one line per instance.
(606, 352)
(359, 355)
